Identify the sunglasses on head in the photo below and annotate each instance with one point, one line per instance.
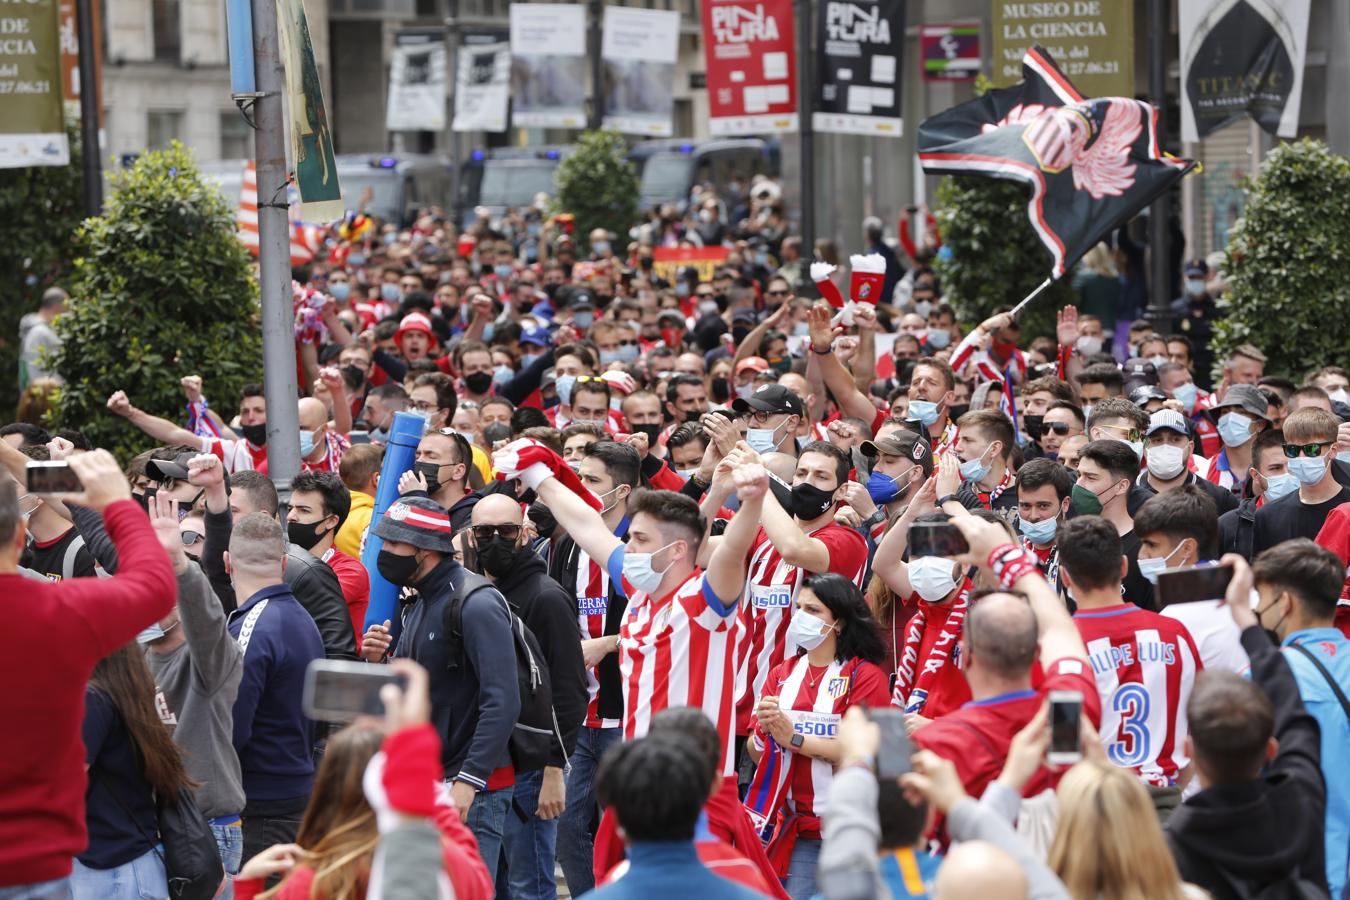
(1294, 451)
(484, 533)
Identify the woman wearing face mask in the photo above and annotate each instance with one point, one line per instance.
(836, 665)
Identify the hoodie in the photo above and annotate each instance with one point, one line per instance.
(352, 535)
(1233, 839)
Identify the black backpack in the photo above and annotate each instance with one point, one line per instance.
(536, 733)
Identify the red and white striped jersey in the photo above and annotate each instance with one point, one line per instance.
(593, 583)
(235, 456)
(771, 588)
(678, 650)
(1145, 666)
(815, 699)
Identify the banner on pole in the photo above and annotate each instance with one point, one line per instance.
(70, 57)
(311, 137)
(949, 52)
(417, 82)
(548, 65)
(1242, 58)
(751, 61)
(239, 37)
(1092, 40)
(32, 127)
(638, 55)
(668, 261)
(858, 67)
(482, 83)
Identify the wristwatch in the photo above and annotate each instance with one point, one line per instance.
(948, 499)
(797, 740)
(875, 519)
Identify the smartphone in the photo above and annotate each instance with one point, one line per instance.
(936, 539)
(1189, 584)
(49, 477)
(1066, 708)
(893, 756)
(339, 691)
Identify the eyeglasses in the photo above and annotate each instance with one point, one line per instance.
(1131, 434)
(484, 533)
(591, 379)
(1059, 428)
(1293, 451)
(190, 537)
(627, 343)
(777, 293)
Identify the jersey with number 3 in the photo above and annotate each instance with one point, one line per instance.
(1145, 666)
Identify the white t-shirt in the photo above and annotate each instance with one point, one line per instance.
(1215, 633)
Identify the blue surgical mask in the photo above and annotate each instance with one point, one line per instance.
(1235, 429)
(1187, 393)
(150, 633)
(340, 291)
(1278, 486)
(583, 320)
(564, 385)
(925, 412)
(681, 289)
(503, 374)
(1039, 533)
(488, 331)
(608, 357)
(801, 329)
(600, 247)
(1343, 456)
(638, 570)
(1150, 568)
(763, 440)
(389, 292)
(628, 353)
(807, 631)
(883, 488)
(356, 259)
(503, 271)
(306, 443)
(939, 338)
(1195, 286)
(1308, 471)
(975, 469)
(1137, 447)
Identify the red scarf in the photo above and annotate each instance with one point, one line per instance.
(907, 684)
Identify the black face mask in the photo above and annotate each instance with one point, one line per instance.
(542, 517)
(957, 410)
(810, 502)
(497, 431)
(397, 570)
(1032, 425)
(651, 431)
(498, 556)
(305, 534)
(431, 472)
(478, 382)
(143, 499)
(721, 390)
(354, 374)
(255, 434)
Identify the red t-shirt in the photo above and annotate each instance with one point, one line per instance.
(355, 581)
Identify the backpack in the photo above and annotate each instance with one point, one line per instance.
(536, 730)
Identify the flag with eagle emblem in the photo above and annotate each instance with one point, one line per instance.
(1091, 164)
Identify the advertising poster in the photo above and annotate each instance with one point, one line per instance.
(548, 65)
(417, 82)
(752, 73)
(311, 136)
(1092, 40)
(858, 65)
(482, 83)
(32, 128)
(638, 56)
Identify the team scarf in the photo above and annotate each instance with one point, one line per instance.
(908, 687)
(1000, 488)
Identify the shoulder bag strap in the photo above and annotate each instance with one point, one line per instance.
(1335, 688)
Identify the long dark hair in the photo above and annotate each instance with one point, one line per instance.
(858, 633)
(125, 678)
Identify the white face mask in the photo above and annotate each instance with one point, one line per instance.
(932, 577)
(638, 570)
(1166, 461)
(807, 631)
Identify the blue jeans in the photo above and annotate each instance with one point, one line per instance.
(141, 879)
(801, 876)
(487, 821)
(529, 845)
(230, 843)
(56, 889)
(576, 840)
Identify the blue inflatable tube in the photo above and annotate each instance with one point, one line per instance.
(404, 436)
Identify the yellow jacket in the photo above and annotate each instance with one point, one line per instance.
(352, 534)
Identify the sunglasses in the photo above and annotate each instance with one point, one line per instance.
(484, 533)
(191, 537)
(1059, 428)
(1293, 451)
(1131, 434)
(777, 293)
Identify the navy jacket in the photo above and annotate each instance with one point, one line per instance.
(274, 739)
(474, 705)
(669, 869)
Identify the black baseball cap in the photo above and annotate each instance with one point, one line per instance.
(772, 398)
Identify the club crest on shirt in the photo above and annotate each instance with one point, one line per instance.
(836, 687)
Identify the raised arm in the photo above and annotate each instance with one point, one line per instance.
(337, 392)
(541, 469)
(750, 346)
(161, 430)
(726, 569)
(852, 402)
(888, 562)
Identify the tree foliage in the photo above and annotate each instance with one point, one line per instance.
(162, 289)
(598, 185)
(41, 207)
(1288, 266)
(991, 255)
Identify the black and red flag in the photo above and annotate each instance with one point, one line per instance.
(1091, 164)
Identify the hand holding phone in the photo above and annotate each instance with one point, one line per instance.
(895, 750)
(936, 539)
(1191, 584)
(339, 691)
(1066, 745)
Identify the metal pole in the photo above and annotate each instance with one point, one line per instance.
(805, 96)
(1159, 313)
(452, 78)
(597, 116)
(274, 253)
(89, 110)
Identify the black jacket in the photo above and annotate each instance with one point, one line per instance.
(546, 610)
(1236, 528)
(1233, 839)
(1224, 499)
(563, 569)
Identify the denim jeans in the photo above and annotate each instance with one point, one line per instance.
(56, 889)
(801, 875)
(576, 839)
(230, 843)
(487, 821)
(141, 879)
(529, 845)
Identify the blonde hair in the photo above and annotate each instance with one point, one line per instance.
(1108, 843)
(1101, 261)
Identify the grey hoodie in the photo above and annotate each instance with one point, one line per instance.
(196, 685)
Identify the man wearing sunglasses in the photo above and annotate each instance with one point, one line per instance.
(1309, 436)
(498, 549)
(1061, 421)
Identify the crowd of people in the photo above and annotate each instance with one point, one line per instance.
(688, 509)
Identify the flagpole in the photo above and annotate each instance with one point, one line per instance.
(1032, 296)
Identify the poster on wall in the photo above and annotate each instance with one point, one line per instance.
(752, 72)
(32, 128)
(548, 65)
(858, 67)
(482, 83)
(638, 54)
(1242, 58)
(950, 52)
(417, 82)
(1092, 40)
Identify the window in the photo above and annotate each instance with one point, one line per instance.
(168, 32)
(236, 138)
(163, 126)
